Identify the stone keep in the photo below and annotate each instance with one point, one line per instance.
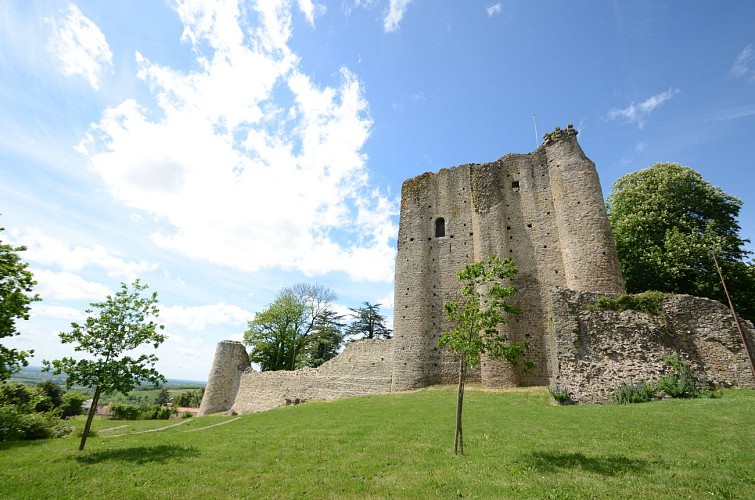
(545, 210)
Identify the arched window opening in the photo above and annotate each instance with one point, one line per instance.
(440, 227)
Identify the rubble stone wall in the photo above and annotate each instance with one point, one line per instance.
(364, 367)
(592, 352)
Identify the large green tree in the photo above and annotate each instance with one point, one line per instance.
(16, 283)
(481, 309)
(284, 336)
(667, 220)
(122, 323)
(368, 323)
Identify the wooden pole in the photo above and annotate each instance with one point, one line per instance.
(734, 313)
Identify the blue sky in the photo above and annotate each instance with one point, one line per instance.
(221, 151)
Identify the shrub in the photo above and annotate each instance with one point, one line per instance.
(72, 402)
(16, 424)
(645, 302)
(124, 411)
(682, 383)
(639, 392)
(560, 394)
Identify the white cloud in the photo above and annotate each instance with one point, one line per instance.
(741, 66)
(59, 312)
(311, 9)
(43, 249)
(53, 286)
(244, 177)
(197, 318)
(396, 10)
(494, 10)
(80, 46)
(637, 113)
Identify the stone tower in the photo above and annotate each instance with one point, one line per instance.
(544, 209)
(230, 361)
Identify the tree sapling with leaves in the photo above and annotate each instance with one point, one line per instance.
(482, 308)
(122, 323)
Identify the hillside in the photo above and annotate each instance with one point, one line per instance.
(518, 445)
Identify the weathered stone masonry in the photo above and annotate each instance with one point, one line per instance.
(546, 211)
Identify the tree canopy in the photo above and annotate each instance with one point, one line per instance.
(120, 324)
(368, 323)
(667, 220)
(482, 307)
(298, 329)
(16, 283)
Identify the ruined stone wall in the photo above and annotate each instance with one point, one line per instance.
(364, 367)
(544, 209)
(593, 352)
(223, 382)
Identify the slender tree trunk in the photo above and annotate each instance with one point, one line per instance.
(90, 417)
(458, 436)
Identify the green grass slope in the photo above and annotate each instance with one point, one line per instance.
(518, 445)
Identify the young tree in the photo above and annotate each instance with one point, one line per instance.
(482, 308)
(667, 220)
(16, 282)
(122, 323)
(368, 323)
(281, 336)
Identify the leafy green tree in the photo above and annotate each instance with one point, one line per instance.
(50, 395)
(190, 399)
(368, 323)
(667, 220)
(16, 283)
(326, 339)
(72, 403)
(163, 397)
(477, 315)
(122, 323)
(281, 337)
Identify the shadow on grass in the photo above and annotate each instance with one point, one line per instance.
(140, 455)
(605, 465)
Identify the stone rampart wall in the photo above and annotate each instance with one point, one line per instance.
(592, 352)
(364, 367)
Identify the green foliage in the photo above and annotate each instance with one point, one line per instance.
(560, 394)
(126, 411)
(16, 424)
(368, 323)
(299, 329)
(123, 322)
(18, 395)
(682, 382)
(16, 283)
(476, 317)
(72, 403)
(634, 392)
(482, 308)
(666, 220)
(163, 397)
(646, 302)
(189, 399)
(50, 396)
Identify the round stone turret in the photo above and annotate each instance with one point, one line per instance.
(231, 359)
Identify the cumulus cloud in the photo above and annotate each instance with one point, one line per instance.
(64, 285)
(80, 46)
(741, 66)
(49, 251)
(197, 318)
(637, 113)
(494, 10)
(394, 15)
(311, 10)
(250, 162)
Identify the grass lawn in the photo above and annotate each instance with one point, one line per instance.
(517, 445)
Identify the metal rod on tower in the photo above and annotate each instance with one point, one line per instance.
(537, 137)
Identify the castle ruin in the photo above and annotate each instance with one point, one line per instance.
(545, 210)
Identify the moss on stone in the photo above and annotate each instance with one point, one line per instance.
(645, 302)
